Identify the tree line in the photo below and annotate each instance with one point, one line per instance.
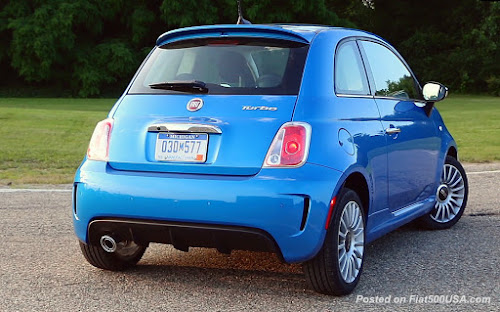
(93, 47)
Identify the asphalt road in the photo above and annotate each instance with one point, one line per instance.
(41, 268)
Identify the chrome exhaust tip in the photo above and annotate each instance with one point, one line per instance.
(108, 243)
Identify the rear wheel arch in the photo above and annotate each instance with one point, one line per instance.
(452, 151)
(336, 268)
(356, 181)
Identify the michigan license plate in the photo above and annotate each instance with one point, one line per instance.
(190, 147)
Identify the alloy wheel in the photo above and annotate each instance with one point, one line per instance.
(450, 195)
(351, 241)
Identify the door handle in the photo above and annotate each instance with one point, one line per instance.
(392, 131)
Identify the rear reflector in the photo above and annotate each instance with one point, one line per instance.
(99, 143)
(290, 146)
(330, 211)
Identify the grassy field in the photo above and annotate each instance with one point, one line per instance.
(474, 122)
(44, 140)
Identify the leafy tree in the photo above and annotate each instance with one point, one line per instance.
(188, 12)
(294, 11)
(359, 12)
(453, 42)
(83, 45)
(89, 46)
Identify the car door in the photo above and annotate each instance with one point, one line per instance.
(361, 119)
(412, 141)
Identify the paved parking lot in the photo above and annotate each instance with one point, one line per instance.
(41, 268)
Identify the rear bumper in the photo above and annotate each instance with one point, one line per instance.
(183, 235)
(280, 210)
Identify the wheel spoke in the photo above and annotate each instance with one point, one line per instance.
(357, 253)
(359, 261)
(354, 218)
(343, 227)
(357, 265)
(358, 232)
(443, 211)
(353, 266)
(453, 210)
(448, 177)
(343, 262)
(456, 182)
(448, 212)
(439, 210)
(341, 246)
(454, 176)
(351, 269)
(346, 216)
(458, 188)
(356, 223)
(347, 267)
(351, 215)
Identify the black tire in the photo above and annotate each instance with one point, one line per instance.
(116, 261)
(323, 272)
(451, 198)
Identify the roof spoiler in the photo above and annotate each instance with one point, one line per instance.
(221, 31)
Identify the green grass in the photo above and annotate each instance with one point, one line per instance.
(44, 140)
(474, 122)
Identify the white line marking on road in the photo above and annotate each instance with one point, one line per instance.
(34, 191)
(483, 172)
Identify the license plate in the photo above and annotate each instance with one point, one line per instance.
(190, 147)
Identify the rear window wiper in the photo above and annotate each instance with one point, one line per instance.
(192, 86)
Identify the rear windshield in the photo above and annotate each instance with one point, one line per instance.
(226, 66)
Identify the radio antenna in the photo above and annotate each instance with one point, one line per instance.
(241, 20)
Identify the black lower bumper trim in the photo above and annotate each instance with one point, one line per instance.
(184, 235)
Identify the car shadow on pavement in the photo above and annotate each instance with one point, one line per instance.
(403, 262)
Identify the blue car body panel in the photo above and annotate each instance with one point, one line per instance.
(272, 200)
(138, 112)
(232, 188)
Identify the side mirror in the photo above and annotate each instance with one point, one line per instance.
(434, 91)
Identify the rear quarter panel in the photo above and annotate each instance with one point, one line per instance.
(363, 147)
(447, 141)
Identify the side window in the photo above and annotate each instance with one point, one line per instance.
(391, 76)
(350, 75)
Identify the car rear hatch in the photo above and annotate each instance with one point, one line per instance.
(209, 105)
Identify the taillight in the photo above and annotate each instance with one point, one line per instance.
(99, 143)
(290, 146)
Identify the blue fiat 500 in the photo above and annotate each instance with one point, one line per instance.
(306, 141)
